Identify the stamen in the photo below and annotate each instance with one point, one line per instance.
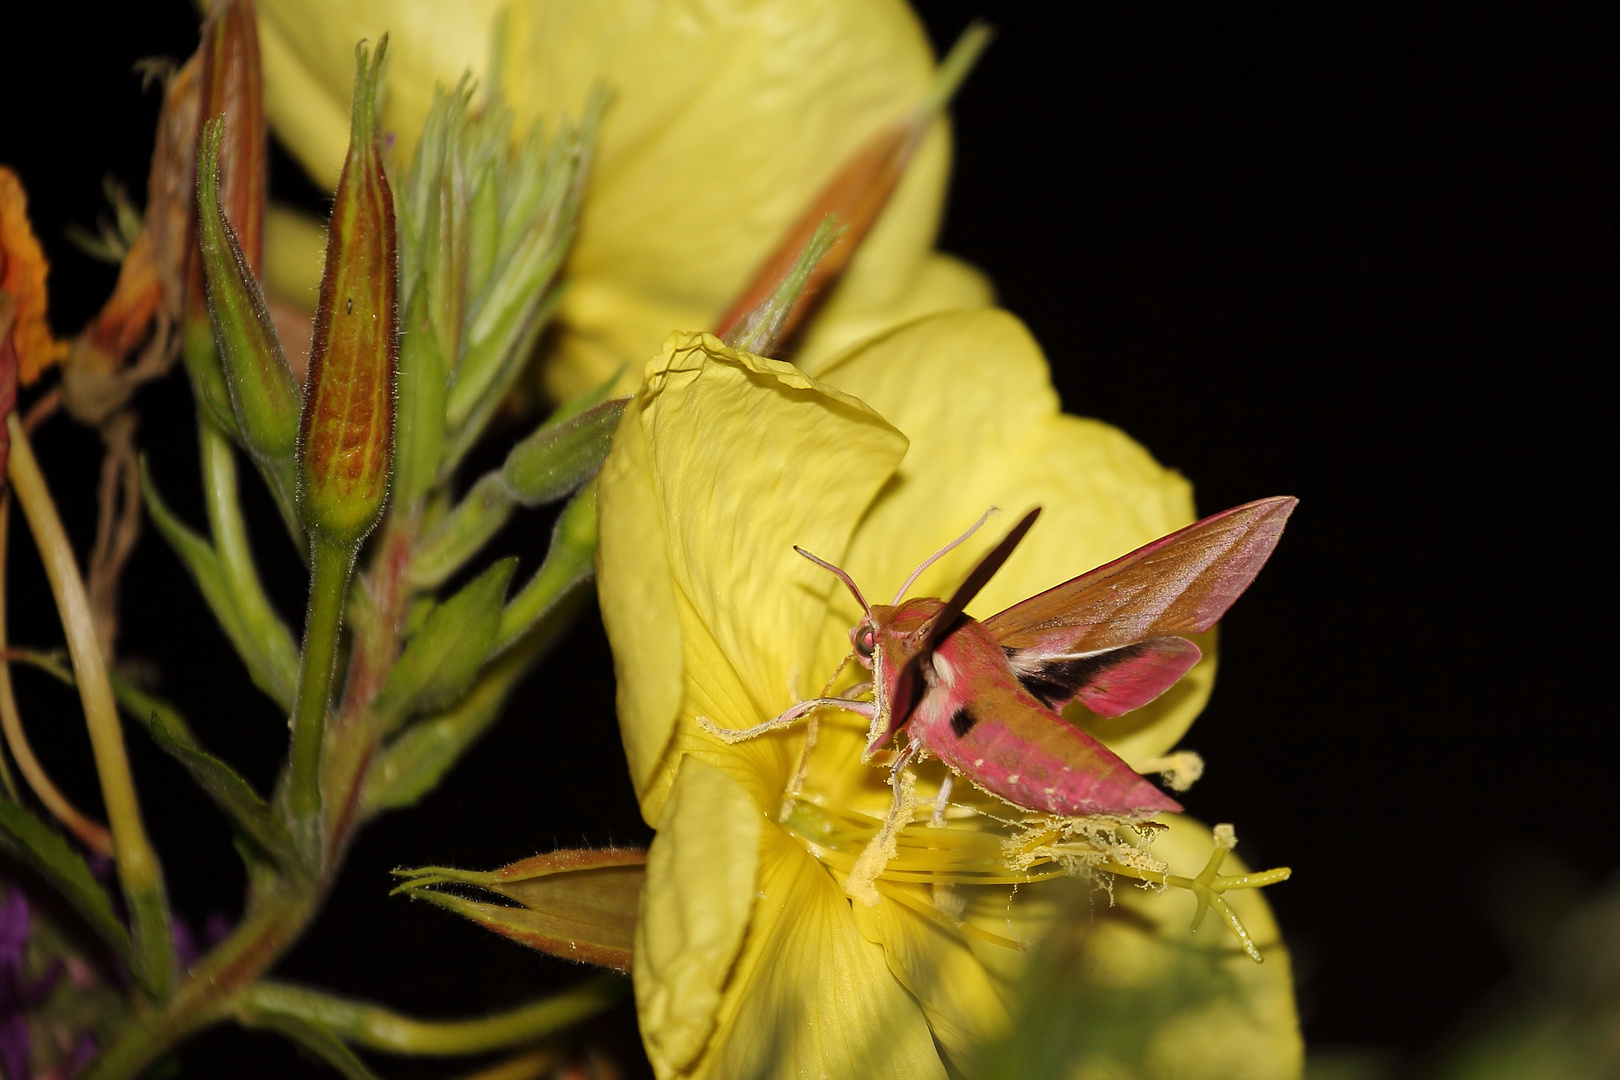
(1180, 770)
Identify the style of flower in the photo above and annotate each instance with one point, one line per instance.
(723, 126)
(751, 958)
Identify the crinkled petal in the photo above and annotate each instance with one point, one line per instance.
(737, 460)
(696, 903)
(972, 392)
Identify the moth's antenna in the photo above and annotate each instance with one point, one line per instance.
(842, 576)
(936, 556)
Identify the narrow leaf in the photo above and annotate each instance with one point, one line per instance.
(479, 515)
(271, 659)
(66, 870)
(569, 562)
(441, 661)
(248, 813)
(419, 409)
(560, 456)
(580, 905)
(414, 763)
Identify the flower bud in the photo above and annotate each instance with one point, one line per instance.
(232, 86)
(264, 394)
(854, 197)
(345, 444)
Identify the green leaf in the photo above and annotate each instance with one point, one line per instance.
(414, 763)
(247, 812)
(580, 905)
(419, 412)
(66, 871)
(560, 456)
(271, 662)
(465, 530)
(443, 659)
(570, 561)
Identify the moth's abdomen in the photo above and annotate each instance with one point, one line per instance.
(980, 721)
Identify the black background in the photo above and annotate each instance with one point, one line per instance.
(1363, 260)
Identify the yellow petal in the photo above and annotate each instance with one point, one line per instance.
(941, 283)
(725, 123)
(695, 910)
(811, 996)
(964, 1003)
(972, 392)
(308, 49)
(1244, 1025)
(737, 460)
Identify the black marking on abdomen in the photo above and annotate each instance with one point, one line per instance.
(962, 721)
(1057, 681)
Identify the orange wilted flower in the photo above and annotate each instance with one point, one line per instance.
(32, 347)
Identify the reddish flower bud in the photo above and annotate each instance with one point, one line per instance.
(346, 439)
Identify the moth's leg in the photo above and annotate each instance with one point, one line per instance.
(941, 801)
(789, 716)
(862, 881)
(812, 728)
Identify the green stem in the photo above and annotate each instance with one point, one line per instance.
(328, 586)
(139, 873)
(377, 1028)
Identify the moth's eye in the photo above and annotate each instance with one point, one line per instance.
(866, 641)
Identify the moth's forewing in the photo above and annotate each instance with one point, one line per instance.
(1178, 584)
(978, 719)
(1109, 683)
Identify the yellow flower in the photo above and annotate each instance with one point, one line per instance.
(750, 958)
(726, 121)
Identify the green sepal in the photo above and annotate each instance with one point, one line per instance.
(443, 659)
(264, 395)
(560, 456)
(265, 645)
(419, 404)
(66, 871)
